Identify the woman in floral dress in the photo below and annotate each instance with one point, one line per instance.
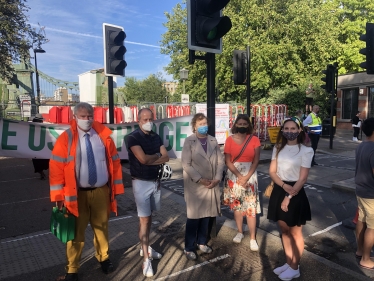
(241, 186)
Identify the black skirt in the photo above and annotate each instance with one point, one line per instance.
(298, 209)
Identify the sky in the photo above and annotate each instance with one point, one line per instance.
(75, 33)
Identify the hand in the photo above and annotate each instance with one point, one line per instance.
(242, 181)
(284, 204)
(60, 204)
(213, 183)
(290, 190)
(205, 182)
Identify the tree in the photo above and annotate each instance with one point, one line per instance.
(149, 90)
(16, 36)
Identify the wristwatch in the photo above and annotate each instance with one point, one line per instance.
(288, 195)
(158, 154)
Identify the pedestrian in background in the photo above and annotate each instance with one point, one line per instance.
(309, 95)
(86, 176)
(356, 125)
(313, 126)
(40, 165)
(242, 155)
(299, 114)
(146, 154)
(364, 179)
(288, 203)
(203, 165)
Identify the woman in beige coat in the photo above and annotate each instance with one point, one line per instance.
(203, 164)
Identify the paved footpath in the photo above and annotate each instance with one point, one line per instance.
(40, 256)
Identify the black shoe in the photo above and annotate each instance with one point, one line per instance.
(69, 277)
(107, 266)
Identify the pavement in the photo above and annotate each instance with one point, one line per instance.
(40, 256)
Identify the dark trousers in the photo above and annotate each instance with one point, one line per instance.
(196, 233)
(314, 138)
(356, 131)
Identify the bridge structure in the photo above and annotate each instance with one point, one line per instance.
(53, 91)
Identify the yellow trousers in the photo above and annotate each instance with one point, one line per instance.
(93, 208)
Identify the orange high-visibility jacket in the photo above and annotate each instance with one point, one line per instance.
(63, 167)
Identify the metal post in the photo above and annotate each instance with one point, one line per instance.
(334, 93)
(211, 114)
(249, 82)
(184, 86)
(111, 99)
(37, 81)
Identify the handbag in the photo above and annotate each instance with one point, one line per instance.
(269, 189)
(237, 157)
(62, 224)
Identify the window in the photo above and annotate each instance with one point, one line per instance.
(371, 102)
(350, 103)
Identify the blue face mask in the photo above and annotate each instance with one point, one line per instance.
(202, 130)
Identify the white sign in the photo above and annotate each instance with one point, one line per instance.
(26, 108)
(222, 120)
(185, 98)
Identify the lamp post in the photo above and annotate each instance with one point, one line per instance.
(37, 50)
(183, 74)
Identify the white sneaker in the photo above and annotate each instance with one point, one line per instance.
(147, 268)
(151, 253)
(289, 274)
(253, 245)
(238, 238)
(280, 269)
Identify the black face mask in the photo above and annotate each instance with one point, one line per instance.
(242, 130)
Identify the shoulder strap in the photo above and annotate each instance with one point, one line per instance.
(243, 148)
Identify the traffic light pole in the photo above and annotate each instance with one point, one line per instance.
(249, 83)
(334, 93)
(111, 99)
(210, 61)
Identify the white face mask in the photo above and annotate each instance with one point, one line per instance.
(147, 126)
(85, 125)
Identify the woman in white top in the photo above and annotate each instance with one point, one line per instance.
(288, 203)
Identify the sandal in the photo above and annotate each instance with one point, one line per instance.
(190, 255)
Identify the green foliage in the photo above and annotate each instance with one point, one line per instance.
(16, 36)
(149, 90)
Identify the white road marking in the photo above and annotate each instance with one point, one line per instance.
(24, 201)
(21, 179)
(44, 233)
(326, 229)
(193, 267)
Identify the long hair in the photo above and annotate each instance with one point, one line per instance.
(282, 141)
(242, 117)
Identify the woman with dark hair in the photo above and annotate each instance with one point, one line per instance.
(288, 203)
(203, 165)
(242, 155)
(40, 164)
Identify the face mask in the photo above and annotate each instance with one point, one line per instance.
(242, 130)
(290, 136)
(147, 126)
(202, 130)
(85, 125)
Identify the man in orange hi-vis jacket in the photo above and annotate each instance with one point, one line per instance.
(85, 176)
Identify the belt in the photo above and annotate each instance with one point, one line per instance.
(134, 178)
(90, 188)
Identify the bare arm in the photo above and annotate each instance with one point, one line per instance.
(254, 165)
(164, 158)
(276, 179)
(231, 166)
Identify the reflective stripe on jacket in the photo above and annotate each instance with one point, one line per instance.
(316, 124)
(65, 162)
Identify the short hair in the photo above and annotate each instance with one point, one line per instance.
(141, 110)
(299, 111)
(368, 127)
(315, 106)
(84, 105)
(197, 117)
(242, 117)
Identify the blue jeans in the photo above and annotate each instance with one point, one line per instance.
(196, 232)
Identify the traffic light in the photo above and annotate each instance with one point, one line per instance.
(369, 50)
(240, 67)
(206, 26)
(114, 50)
(329, 78)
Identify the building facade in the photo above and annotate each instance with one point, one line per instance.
(355, 93)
